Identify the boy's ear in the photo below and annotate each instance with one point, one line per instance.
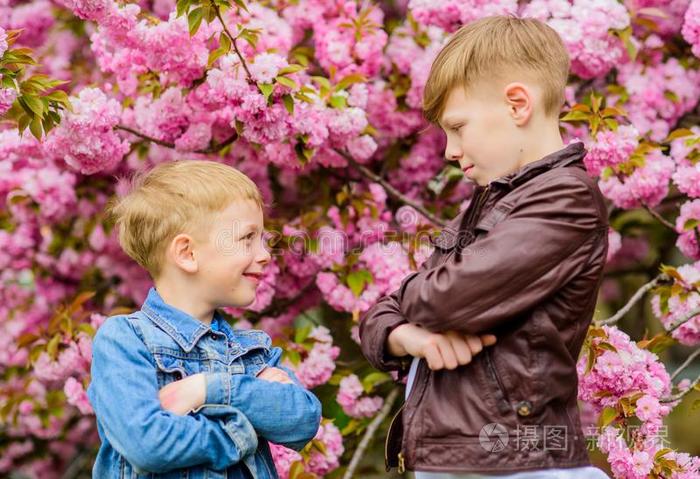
(181, 251)
(520, 102)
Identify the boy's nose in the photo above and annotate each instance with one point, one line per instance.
(452, 154)
(264, 255)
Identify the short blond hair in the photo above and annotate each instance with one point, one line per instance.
(491, 47)
(173, 198)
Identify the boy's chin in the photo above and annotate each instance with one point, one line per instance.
(238, 301)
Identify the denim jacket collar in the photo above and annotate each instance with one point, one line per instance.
(182, 327)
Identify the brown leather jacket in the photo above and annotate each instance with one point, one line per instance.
(524, 262)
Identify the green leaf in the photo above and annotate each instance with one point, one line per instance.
(607, 346)
(213, 56)
(576, 116)
(293, 356)
(59, 96)
(194, 20)
(351, 427)
(322, 81)
(608, 415)
(288, 82)
(670, 95)
(52, 346)
(349, 80)
(296, 470)
(288, 101)
(35, 127)
(241, 4)
(357, 280)
(679, 133)
(23, 122)
(290, 69)
(224, 42)
(266, 89)
(691, 224)
(626, 37)
(657, 344)
(338, 101)
(611, 111)
(33, 104)
(302, 333)
(182, 7)
(373, 379)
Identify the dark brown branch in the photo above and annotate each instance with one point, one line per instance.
(393, 192)
(145, 137)
(660, 218)
(233, 42)
(206, 151)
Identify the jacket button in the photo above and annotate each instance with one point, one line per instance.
(524, 408)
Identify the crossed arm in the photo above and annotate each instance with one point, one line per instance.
(124, 394)
(275, 402)
(525, 258)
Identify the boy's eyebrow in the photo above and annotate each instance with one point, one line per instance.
(448, 121)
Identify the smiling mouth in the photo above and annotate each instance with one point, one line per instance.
(467, 168)
(253, 276)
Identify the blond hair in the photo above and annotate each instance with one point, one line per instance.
(491, 48)
(172, 198)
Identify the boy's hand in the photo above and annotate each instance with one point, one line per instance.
(179, 397)
(441, 351)
(275, 375)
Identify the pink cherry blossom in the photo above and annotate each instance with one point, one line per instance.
(688, 241)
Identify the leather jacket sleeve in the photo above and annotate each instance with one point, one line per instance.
(543, 243)
(376, 325)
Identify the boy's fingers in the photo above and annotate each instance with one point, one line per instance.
(433, 357)
(488, 339)
(461, 349)
(448, 355)
(474, 344)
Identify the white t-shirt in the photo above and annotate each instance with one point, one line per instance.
(588, 472)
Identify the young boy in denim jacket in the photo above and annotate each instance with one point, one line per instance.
(523, 263)
(176, 391)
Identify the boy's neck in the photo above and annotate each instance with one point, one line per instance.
(182, 297)
(542, 146)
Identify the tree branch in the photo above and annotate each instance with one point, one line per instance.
(678, 396)
(145, 137)
(660, 218)
(393, 192)
(685, 364)
(370, 431)
(634, 300)
(233, 42)
(677, 324)
(206, 151)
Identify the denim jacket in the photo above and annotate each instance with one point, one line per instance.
(137, 354)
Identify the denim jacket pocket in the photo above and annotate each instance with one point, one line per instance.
(173, 366)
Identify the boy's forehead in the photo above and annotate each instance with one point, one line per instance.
(455, 107)
(245, 213)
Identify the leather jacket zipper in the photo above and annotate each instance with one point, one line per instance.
(401, 464)
(416, 390)
(467, 223)
(504, 405)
